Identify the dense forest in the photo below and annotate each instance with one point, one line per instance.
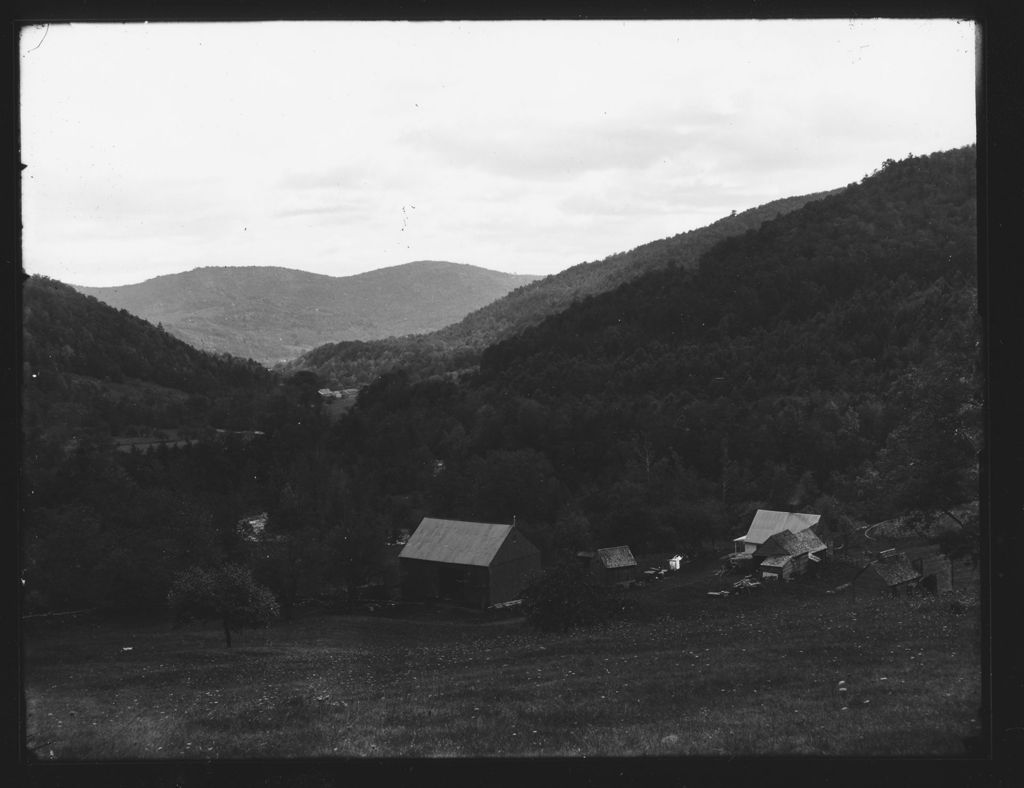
(88, 367)
(458, 346)
(825, 361)
(109, 528)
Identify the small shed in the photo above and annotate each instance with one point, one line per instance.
(893, 575)
(767, 523)
(478, 564)
(612, 565)
(934, 566)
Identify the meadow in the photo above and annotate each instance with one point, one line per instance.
(686, 674)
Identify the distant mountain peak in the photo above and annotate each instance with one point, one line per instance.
(274, 313)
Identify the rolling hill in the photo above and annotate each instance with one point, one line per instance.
(356, 363)
(88, 367)
(273, 314)
(827, 361)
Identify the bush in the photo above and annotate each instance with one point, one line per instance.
(562, 598)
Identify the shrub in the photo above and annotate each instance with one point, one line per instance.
(562, 598)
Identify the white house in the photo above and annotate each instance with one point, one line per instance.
(767, 523)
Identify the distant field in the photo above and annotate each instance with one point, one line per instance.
(690, 675)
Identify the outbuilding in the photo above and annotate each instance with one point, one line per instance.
(935, 568)
(610, 566)
(893, 575)
(478, 564)
(787, 554)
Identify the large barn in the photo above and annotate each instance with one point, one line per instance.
(478, 564)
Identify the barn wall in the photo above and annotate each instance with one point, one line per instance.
(476, 592)
(509, 578)
(419, 579)
(622, 574)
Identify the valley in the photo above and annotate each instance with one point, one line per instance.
(822, 360)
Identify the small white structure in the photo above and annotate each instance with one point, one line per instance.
(251, 528)
(674, 562)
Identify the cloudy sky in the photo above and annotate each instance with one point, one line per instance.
(518, 146)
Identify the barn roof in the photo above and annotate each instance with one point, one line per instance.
(767, 523)
(777, 560)
(456, 541)
(897, 571)
(616, 557)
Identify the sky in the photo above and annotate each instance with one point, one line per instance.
(526, 147)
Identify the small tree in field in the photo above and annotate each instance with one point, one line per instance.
(228, 594)
(562, 599)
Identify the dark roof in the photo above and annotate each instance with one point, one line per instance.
(456, 542)
(616, 557)
(789, 543)
(895, 571)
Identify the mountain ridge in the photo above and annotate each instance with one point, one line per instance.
(273, 313)
(355, 363)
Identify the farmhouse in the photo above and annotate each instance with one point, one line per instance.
(767, 523)
(479, 564)
(611, 565)
(787, 554)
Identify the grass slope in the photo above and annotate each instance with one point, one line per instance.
(696, 676)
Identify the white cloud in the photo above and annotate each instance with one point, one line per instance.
(342, 147)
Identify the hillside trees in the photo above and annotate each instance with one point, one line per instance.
(827, 359)
(457, 347)
(795, 359)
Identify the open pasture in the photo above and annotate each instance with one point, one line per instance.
(687, 674)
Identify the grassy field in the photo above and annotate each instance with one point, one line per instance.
(690, 674)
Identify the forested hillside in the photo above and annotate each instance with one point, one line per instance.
(458, 346)
(110, 529)
(90, 367)
(272, 314)
(827, 361)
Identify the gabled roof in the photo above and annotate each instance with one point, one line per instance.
(789, 543)
(894, 572)
(616, 557)
(767, 523)
(456, 541)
